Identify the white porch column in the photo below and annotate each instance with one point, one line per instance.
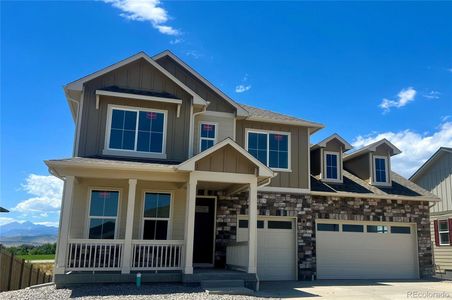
(65, 225)
(190, 223)
(127, 254)
(252, 228)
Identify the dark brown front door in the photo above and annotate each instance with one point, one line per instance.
(204, 230)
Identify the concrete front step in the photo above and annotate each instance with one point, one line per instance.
(213, 284)
(230, 291)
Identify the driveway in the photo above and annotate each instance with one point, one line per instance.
(357, 289)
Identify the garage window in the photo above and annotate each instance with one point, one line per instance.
(352, 228)
(377, 228)
(400, 229)
(443, 229)
(328, 227)
(279, 224)
(244, 224)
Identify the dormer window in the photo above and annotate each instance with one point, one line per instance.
(331, 166)
(381, 170)
(135, 132)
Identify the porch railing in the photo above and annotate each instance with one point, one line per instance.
(237, 255)
(87, 255)
(157, 255)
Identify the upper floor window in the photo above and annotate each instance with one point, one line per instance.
(103, 214)
(270, 148)
(380, 169)
(207, 135)
(133, 129)
(331, 166)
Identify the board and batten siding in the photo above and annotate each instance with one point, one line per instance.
(298, 177)
(438, 180)
(441, 254)
(217, 103)
(142, 76)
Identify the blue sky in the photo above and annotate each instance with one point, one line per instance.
(365, 70)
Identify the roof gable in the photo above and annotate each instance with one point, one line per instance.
(437, 155)
(372, 148)
(335, 136)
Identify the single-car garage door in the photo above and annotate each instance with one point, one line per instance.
(275, 247)
(365, 250)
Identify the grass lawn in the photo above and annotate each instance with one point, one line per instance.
(37, 257)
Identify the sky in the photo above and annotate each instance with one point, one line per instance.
(366, 70)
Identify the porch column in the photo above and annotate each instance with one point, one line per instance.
(190, 223)
(127, 254)
(65, 225)
(252, 228)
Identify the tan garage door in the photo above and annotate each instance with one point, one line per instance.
(365, 250)
(275, 247)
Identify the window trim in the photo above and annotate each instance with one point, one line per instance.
(339, 167)
(124, 152)
(205, 138)
(374, 171)
(268, 132)
(169, 232)
(439, 232)
(88, 217)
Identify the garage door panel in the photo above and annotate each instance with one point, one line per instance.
(356, 255)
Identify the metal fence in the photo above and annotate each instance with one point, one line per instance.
(16, 274)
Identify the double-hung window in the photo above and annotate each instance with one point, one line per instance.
(331, 166)
(157, 211)
(443, 231)
(136, 129)
(207, 135)
(380, 169)
(103, 214)
(270, 148)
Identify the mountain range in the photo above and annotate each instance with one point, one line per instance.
(16, 233)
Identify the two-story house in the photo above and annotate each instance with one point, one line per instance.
(435, 175)
(172, 178)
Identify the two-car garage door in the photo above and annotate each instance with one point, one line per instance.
(365, 250)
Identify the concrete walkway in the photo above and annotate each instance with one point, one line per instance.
(357, 289)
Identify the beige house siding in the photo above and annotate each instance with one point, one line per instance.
(217, 103)
(136, 75)
(359, 166)
(299, 175)
(225, 128)
(442, 254)
(226, 159)
(80, 207)
(438, 180)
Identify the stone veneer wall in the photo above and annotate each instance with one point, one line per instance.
(309, 208)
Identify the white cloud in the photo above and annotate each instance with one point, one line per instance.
(176, 41)
(145, 10)
(416, 147)
(46, 192)
(432, 95)
(6, 220)
(193, 53)
(52, 224)
(242, 88)
(405, 96)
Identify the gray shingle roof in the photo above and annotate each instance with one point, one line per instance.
(267, 115)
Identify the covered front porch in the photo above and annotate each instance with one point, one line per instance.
(156, 219)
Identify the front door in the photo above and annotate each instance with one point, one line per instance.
(204, 231)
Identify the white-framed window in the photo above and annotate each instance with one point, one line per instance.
(380, 167)
(136, 130)
(157, 207)
(332, 166)
(207, 135)
(103, 213)
(443, 231)
(272, 148)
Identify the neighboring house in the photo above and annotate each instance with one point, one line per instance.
(170, 176)
(435, 175)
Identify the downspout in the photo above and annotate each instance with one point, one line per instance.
(192, 126)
